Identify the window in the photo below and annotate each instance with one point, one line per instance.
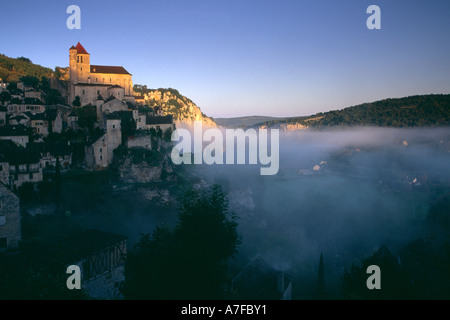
(114, 126)
(2, 220)
(110, 80)
(84, 92)
(98, 91)
(3, 243)
(81, 59)
(78, 59)
(31, 176)
(101, 157)
(95, 79)
(101, 150)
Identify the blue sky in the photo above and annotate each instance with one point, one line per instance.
(248, 57)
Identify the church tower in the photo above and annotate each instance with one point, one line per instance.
(83, 64)
(73, 65)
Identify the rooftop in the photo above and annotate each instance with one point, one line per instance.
(109, 69)
(94, 137)
(16, 154)
(18, 130)
(80, 49)
(159, 119)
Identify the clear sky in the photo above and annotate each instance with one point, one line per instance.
(248, 57)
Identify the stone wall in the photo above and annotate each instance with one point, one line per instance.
(10, 224)
(140, 141)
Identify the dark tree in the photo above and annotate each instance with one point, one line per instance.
(394, 282)
(321, 279)
(190, 261)
(30, 81)
(77, 102)
(5, 96)
(87, 116)
(127, 124)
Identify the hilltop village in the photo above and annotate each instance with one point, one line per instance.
(79, 122)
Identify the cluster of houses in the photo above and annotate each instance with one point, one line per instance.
(26, 120)
(28, 147)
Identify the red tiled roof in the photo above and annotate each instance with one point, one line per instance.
(108, 69)
(72, 47)
(81, 49)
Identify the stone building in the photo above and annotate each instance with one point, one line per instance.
(111, 105)
(72, 121)
(113, 134)
(17, 134)
(10, 225)
(28, 104)
(159, 122)
(96, 154)
(2, 116)
(100, 148)
(91, 81)
(23, 164)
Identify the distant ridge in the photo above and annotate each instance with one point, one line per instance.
(241, 122)
(414, 111)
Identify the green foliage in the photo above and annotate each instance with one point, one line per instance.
(36, 273)
(61, 73)
(11, 70)
(77, 102)
(5, 96)
(26, 192)
(87, 116)
(428, 110)
(190, 261)
(127, 124)
(31, 81)
(24, 59)
(420, 271)
(394, 281)
(54, 97)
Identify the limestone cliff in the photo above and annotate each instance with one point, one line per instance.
(185, 111)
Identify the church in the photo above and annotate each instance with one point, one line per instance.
(93, 82)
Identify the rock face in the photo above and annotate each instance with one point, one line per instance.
(285, 127)
(185, 111)
(143, 166)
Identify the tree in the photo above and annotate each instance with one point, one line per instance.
(190, 261)
(12, 87)
(54, 97)
(5, 96)
(30, 81)
(24, 59)
(394, 281)
(321, 279)
(77, 102)
(127, 124)
(168, 134)
(87, 116)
